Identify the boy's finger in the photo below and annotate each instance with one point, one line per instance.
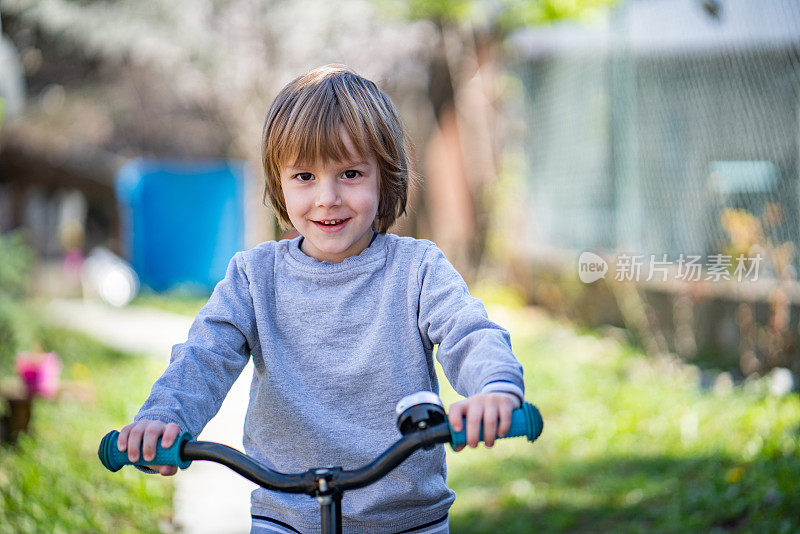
(489, 424)
(122, 439)
(455, 416)
(151, 435)
(170, 433)
(505, 421)
(135, 442)
(167, 470)
(474, 416)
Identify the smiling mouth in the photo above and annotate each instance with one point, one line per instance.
(331, 222)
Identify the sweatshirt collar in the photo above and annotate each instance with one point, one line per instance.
(376, 251)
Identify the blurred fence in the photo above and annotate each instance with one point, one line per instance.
(667, 132)
(644, 131)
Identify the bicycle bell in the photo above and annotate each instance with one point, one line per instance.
(419, 411)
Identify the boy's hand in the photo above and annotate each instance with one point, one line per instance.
(486, 407)
(145, 431)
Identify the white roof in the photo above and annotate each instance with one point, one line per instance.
(672, 26)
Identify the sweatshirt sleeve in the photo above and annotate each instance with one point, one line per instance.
(203, 368)
(473, 350)
(501, 386)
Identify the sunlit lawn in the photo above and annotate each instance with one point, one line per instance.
(53, 481)
(183, 303)
(630, 444)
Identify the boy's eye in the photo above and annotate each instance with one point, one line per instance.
(304, 176)
(351, 174)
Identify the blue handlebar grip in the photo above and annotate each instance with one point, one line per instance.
(114, 459)
(525, 421)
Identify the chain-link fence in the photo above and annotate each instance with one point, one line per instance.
(671, 128)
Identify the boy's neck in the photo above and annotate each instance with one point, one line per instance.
(374, 235)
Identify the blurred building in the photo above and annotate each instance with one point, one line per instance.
(116, 81)
(670, 129)
(644, 127)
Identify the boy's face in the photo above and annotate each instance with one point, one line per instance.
(333, 204)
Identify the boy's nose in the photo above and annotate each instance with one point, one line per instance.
(328, 193)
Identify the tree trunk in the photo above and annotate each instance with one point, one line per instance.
(461, 159)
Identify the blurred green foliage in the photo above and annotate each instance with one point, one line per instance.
(52, 480)
(17, 323)
(16, 260)
(496, 294)
(504, 15)
(19, 331)
(630, 444)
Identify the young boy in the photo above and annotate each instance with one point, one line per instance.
(340, 322)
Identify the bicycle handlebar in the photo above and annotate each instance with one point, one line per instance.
(114, 459)
(526, 421)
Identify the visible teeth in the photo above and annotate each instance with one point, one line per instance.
(336, 221)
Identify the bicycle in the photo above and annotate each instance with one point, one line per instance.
(421, 420)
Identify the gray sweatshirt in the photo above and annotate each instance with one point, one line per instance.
(334, 347)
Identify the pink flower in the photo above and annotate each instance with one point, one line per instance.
(40, 372)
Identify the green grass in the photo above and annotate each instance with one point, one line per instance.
(180, 302)
(52, 480)
(630, 444)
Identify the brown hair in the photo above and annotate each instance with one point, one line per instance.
(303, 124)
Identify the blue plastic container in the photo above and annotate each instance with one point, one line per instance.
(181, 221)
